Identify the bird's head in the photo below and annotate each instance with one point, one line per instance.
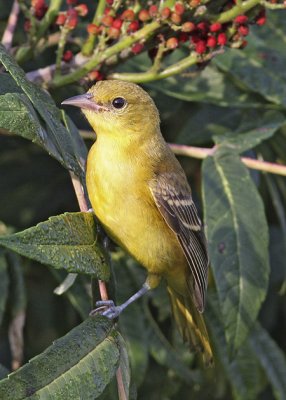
(118, 108)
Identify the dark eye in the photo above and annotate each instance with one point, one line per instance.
(118, 102)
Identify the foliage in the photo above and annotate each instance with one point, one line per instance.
(235, 103)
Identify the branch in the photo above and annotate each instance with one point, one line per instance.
(8, 34)
(84, 207)
(177, 68)
(201, 153)
(240, 8)
(142, 34)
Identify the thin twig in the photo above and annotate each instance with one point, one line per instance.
(8, 34)
(201, 153)
(120, 385)
(84, 207)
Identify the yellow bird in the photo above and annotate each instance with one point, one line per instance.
(140, 194)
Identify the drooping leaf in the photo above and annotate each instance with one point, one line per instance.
(270, 122)
(78, 365)
(66, 241)
(254, 67)
(54, 134)
(209, 86)
(271, 358)
(238, 242)
(243, 372)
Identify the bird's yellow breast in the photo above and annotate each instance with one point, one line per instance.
(121, 199)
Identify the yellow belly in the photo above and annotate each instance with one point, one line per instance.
(130, 216)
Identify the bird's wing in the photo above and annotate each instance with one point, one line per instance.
(173, 198)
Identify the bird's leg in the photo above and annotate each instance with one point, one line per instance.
(108, 309)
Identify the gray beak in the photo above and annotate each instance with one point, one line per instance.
(84, 101)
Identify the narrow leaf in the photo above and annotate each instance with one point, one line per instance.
(238, 242)
(66, 241)
(78, 365)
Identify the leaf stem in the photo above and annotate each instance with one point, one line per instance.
(201, 153)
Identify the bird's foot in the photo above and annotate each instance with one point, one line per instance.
(106, 308)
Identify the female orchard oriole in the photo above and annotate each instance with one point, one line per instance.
(140, 194)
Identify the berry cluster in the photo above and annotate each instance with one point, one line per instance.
(189, 24)
(181, 25)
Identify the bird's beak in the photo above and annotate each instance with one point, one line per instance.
(84, 101)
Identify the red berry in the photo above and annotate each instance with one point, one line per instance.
(203, 27)
(61, 19)
(201, 47)
(261, 18)
(93, 29)
(117, 23)
(183, 37)
(165, 13)
(133, 26)
(241, 19)
(109, 2)
(179, 8)
(107, 11)
(107, 20)
(243, 30)
(128, 15)
(72, 18)
(137, 48)
(172, 43)
(176, 18)
(95, 75)
(113, 33)
(153, 10)
(215, 27)
(71, 2)
(67, 56)
(211, 42)
(40, 8)
(222, 39)
(188, 27)
(144, 15)
(82, 10)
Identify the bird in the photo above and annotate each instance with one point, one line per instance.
(141, 196)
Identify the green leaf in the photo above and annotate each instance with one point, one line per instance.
(4, 284)
(78, 365)
(248, 69)
(238, 242)
(124, 368)
(243, 372)
(66, 241)
(271, 358)
(54, 135)
(269, 123)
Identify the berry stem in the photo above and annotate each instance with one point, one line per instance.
(61, 46)
(143, 33)
(8, 34)
(236, 10)
(88, 46)
(25, 52)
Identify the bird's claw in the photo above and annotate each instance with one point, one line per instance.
(106, 308)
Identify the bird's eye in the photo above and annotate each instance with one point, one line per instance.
(118, 102)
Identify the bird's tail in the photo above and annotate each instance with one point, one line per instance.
(191, 324)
